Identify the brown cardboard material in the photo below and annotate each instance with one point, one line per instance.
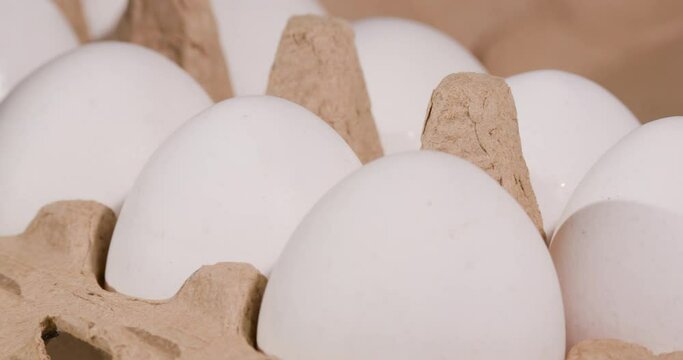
(473, 116)
(50, 280)
(185, 32)
(317, 67)
(73, 11)
(615, 350)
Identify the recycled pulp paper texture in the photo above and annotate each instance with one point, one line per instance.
(615, 350)
(50, 280)
(73, 11)
(184, 31)
(473, 116)
(317, 67)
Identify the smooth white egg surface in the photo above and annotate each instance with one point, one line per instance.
(83, 126)
(419, 255)
(232, 185)
(566, 122)
(619, 247)
(102, 16)
(250, 32)
(32, 32)
(403, 61)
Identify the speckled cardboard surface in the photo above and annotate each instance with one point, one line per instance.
(317, 66)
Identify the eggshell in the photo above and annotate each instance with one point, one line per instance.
(566, 123)
(250, 32)
(618, 250)
(403, 61)
(32, 32)
(102, 16)
(83, 126)
(230, 186)
(415, 256)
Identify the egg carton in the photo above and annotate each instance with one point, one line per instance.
(52, 293)
(52, 299)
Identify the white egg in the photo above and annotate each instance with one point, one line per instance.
(102, 16)
(403, 61)
(566, 122)
(619, 248)
(83, 126)
(32, 32)
(230, 186)
(419, 255)
(250, 32)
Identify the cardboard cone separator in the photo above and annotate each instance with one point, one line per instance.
(317, 66)
(50, 280)
(184, 31)
(73, 11)
(473, 116)
(51, 276)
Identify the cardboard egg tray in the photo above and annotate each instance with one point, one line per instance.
(51, 292)
(53, 301)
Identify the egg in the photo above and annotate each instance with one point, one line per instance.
(419, 255)
(83, 126)
(32, 32)
(231, 185)
(403, 61)
(250, 32)
(619, 246)
(102, 16)
(566, 122)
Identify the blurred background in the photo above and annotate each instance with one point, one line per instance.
(632, 47)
